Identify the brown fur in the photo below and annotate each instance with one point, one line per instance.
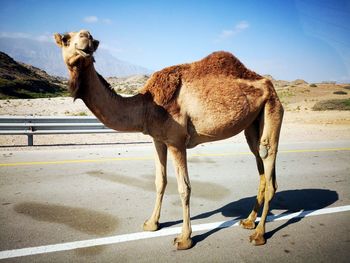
(78, 80)
(74, 83)
(164, 84)
(182, 106)
(221, 63)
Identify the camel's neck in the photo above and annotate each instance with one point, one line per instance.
(117, 112)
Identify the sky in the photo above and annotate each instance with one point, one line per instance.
(300, 39)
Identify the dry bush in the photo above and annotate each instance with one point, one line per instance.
(336, 104)
(340, 92)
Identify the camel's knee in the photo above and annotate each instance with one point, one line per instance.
(270, 192)
(160, 188)
(161, 185)
(260, 196)
(266, 150)
(263, 151)
(185, 192)
(264, 147)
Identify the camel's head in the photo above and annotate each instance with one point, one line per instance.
(77, 50)
(77, 47)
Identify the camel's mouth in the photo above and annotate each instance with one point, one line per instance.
(85, 52)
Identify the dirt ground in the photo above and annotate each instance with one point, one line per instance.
(301, 123)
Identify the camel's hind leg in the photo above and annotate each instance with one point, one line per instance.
(272, 121)
(152, 224)
(252, 134)
(273, 114)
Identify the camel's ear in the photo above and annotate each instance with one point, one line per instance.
(58, 39)
(96, 43)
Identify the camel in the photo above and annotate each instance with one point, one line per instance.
(180, 107)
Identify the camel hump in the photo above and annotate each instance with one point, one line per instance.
(163, 84)
(222, 63)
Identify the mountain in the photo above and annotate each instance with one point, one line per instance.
(18, 80)
(109, 66)
(40, 54)
(47, 56)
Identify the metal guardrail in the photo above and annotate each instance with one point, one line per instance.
(36, 125)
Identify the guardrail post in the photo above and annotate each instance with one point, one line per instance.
(30, 139)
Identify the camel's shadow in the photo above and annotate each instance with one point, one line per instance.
(290, 201)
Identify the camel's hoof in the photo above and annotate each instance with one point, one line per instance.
(150, 226)
(257, 239)
(182, 244)
(247, 224)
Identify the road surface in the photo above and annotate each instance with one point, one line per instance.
(88, 205)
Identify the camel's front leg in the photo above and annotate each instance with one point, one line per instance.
(184, 240)
(152, 224)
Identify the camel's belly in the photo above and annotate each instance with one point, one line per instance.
(218, 108)
(214, 115)
(217, 129)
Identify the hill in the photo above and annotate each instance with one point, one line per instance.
(128, 85)
(18, 80)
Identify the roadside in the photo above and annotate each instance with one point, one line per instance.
(308, 127)
(301, 123)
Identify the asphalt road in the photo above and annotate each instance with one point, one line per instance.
(73, 198)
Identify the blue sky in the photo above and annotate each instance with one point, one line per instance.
(308, 39)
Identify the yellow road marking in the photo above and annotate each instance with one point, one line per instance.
(151, 157)
(77, 161)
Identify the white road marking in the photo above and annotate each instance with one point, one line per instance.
(163, 232)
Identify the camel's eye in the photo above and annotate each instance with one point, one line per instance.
(66, 40)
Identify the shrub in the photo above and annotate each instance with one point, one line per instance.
(340, 92)
(336, 104)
